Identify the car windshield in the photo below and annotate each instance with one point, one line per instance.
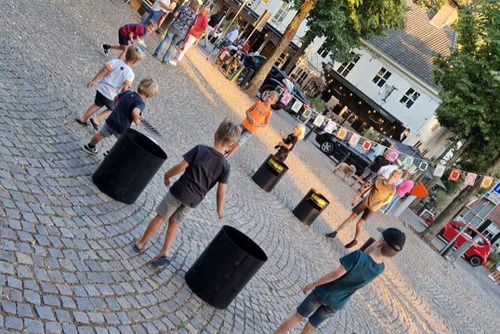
(299, 92)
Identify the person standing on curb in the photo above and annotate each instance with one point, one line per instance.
(195, 32)
(330, 293)
(380, 193)
(184, 18)
(159, 8)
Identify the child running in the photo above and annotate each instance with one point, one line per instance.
(129, 108)
(257, 116)
(202, 168)
(130, 34)
(115, 77)
(380, 193)
(331, 292)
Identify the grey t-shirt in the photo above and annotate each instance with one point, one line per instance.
(207, 167)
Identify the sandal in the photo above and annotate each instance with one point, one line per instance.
(137, 249)
(352, 244)
(81, 123)
(160, 262)
(94, 124)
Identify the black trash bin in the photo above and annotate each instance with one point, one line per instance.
(225, 267)
(310, 207)
(269, 173)
(129, 166)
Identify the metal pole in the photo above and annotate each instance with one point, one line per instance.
(452, 241)
(228, 26)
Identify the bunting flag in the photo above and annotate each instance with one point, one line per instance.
(407, 162)
(354, 139)
(486, 182)
(330, 127)
(366, 145)
(379, 149)
(392, 154)
(470, 178)
(454, 175)
(318, 121)
(439, 171)
(423, 166)
(342, 133)
(287, 97)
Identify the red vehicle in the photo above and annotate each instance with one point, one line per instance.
(481, 247)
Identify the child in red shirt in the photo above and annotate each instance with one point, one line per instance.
(129, 34)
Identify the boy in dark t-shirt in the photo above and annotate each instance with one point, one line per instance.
(202, 168)
(331, 292)
(129, 108)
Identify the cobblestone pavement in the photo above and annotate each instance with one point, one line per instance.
(65, 259)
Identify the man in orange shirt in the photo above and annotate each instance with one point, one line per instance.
(257, 116)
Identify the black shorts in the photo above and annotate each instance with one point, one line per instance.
(101, 100)
(122, 40)
(362, 209)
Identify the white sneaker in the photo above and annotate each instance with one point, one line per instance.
(173, 62)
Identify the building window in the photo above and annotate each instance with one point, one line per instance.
(323, 52)
(281, 14)
(417, 144)
(409, 98)
(346, 67)
(253, 3)
(381, 77)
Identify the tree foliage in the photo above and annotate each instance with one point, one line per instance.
(470, 84)
(470, 81)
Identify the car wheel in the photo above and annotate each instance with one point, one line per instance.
(326, 147)
(475, 261)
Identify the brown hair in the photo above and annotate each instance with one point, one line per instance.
(148, 87)
(133, 54)
(152, 23)
(387, 250)
(227, 133)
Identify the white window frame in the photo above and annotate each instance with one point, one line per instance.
(346, 67)
(410, 97)
(381, 77)
(281, 13)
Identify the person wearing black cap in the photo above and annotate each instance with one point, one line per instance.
(331, 292)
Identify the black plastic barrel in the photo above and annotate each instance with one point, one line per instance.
(269, 173)
(310, 207)
(225, 267)
(129, 166)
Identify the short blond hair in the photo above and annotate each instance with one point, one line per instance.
(133, 54)
(227, 133)
(148, 87)
(272, 94)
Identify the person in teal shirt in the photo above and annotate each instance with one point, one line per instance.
(331, 292)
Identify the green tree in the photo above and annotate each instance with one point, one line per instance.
(331, 20)
(342, 22)
(469, 86)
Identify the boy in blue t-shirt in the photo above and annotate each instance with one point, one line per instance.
(331, 292)
(129, 108)
(202, 168)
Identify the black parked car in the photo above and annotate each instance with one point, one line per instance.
(273, 80)
(331, 145)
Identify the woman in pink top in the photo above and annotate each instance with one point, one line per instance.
(402, 188)
(195, 33)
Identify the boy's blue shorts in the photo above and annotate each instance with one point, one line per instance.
(315, 310)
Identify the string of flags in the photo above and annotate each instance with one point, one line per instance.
(393, 154)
